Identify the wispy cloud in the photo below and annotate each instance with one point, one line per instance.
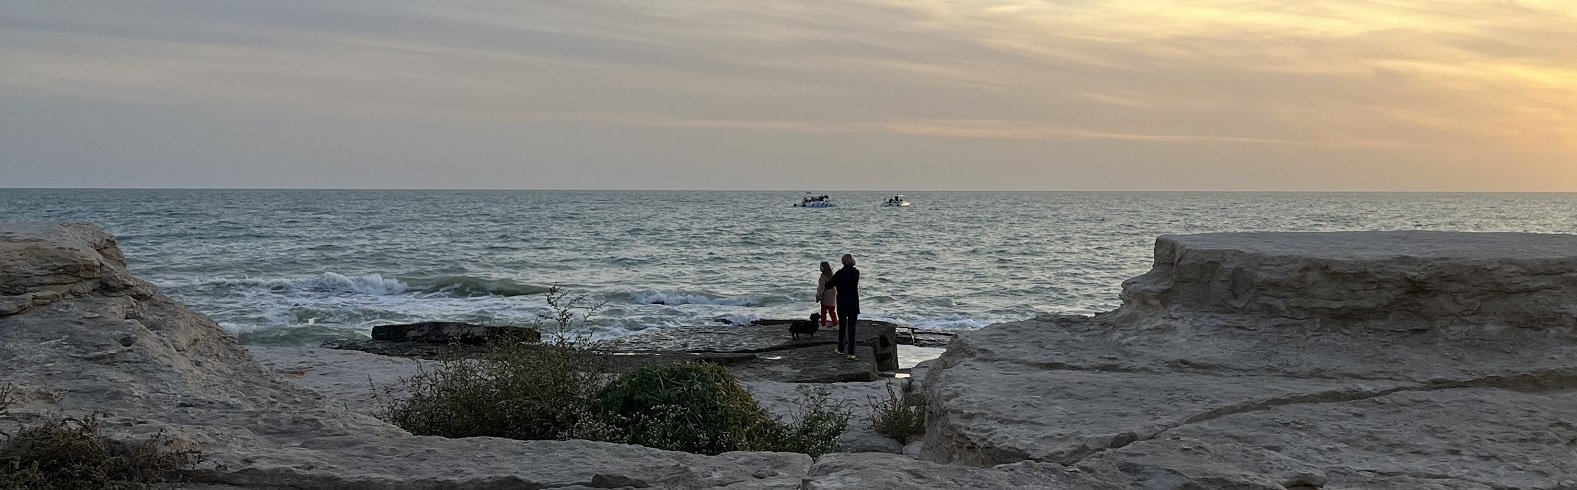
(1427, 78)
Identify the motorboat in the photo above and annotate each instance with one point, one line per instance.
(815, 201)
(897, 201)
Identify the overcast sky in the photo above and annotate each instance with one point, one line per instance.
(826, 95)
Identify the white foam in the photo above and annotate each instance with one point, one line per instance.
(374, 284)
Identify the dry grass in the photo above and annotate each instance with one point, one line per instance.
(73, 453)
(900, 416)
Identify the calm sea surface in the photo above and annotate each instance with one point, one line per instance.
(298, 266)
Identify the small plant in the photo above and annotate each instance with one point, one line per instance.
(901, 415)
(816, 429)
(512, 389)
(702, 408)
(73, 453)
(692, 407)
(566, 325)
(5, 402)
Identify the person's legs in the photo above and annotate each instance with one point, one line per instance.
(846, 333)
(843, 330)
(829, 316)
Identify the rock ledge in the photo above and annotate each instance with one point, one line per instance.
(1292, 360)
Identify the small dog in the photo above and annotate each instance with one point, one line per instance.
(808, 329)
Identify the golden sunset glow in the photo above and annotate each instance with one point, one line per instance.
(1367, 94)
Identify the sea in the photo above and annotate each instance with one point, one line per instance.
(297, 267)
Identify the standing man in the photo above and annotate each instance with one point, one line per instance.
(847, 280)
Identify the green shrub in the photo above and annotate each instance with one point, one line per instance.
(702, 408)
(900, 416)
(692, 407)
(561, 389)
(816, 429)
(73, 453)
(513, 390)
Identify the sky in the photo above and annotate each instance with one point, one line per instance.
(1340, 95)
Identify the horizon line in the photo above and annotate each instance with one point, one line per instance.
(527, 189)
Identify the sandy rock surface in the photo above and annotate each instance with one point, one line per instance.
(1410, 360)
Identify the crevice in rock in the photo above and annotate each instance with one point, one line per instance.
(1182, 366)
(1542, 381)
(1435, 477)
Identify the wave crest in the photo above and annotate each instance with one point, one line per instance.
(474, 286)
(372, 284)
(378, 285)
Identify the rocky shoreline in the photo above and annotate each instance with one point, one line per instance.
(763, 350)
(1256, 361)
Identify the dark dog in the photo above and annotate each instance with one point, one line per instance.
(807, 328)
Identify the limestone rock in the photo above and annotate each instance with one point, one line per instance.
(93, 338)
(1390, 280)
(773, 354)
(350, 379)
(1197, 382)
(876, 471)
(41, 263)
(453, 332)
(1357, 360)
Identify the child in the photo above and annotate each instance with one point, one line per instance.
(828, 297)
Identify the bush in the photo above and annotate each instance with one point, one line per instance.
(816, 430)
(900, 416)
(513, 390)
(73, 453)
(702, 408)
(554, 392)
(692, 407)
(561, 389)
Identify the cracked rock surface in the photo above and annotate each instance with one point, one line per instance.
(1291, 360)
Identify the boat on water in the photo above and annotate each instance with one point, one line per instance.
(815, 201)
(897, 201)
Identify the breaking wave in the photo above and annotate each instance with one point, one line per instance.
(474, 286)
(377, 285)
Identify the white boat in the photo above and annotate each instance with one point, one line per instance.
(897, 201)
(815, 201)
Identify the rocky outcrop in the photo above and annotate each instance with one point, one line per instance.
(427, 340)
(92, 338)
(1163, 394)
(453, 332)
(1264, 360)
(1409, 280)
(762, 350)
(765, 350)
(81, 335)
(40, 264)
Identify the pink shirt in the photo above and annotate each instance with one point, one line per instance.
(827, 296)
